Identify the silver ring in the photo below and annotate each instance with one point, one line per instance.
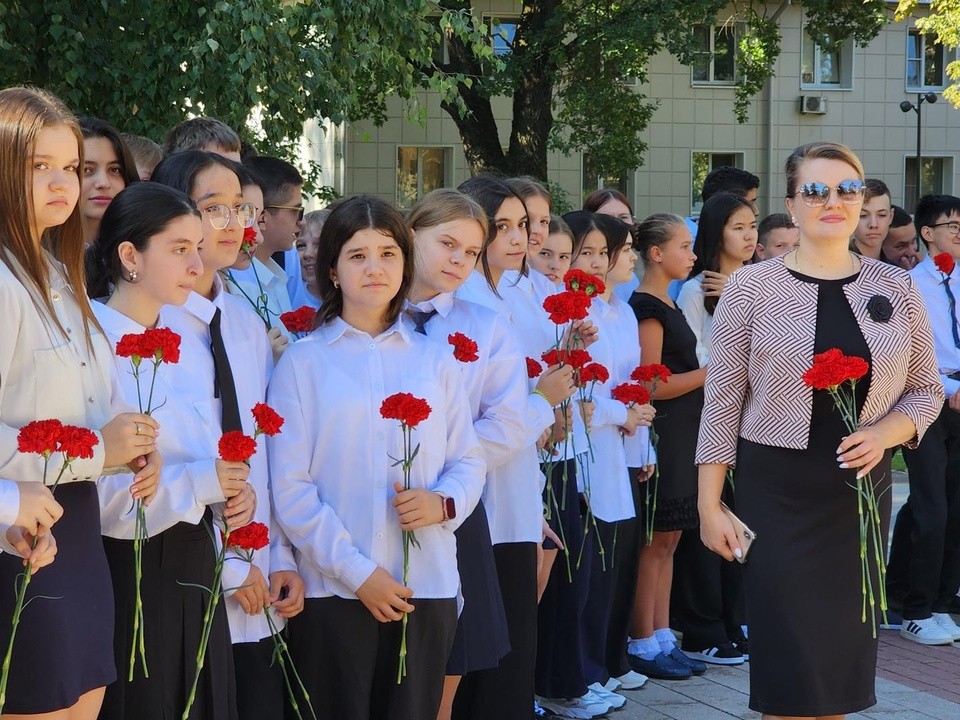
(138, 428)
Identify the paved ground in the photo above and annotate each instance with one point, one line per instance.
(913, 683)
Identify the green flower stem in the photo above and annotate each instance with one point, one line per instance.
(282, 654)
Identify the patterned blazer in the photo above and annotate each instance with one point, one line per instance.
(763, 338)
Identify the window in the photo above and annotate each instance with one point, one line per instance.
(593, 180)
(715, 54)
(701, 164)
(925, 62)
(420, 170)
(935, 177)
(826, 69)
(502, 33)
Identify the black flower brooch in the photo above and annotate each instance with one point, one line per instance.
(879, 308)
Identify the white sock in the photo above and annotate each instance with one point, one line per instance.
(666, 639)
(645, 648)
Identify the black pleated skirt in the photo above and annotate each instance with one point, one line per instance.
(174, 562)
(482, 637)
(63, 644)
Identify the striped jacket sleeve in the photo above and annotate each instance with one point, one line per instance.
(726, 388)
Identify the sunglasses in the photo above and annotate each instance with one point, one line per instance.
(816, 194)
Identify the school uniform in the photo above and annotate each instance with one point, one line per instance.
(513, 496)
(333, 469)
(65, 375)
(264, 285)
(497, 392)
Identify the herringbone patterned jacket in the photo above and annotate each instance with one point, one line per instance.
(763, 338)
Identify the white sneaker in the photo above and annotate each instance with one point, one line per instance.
(616, 701)
(946, 623)
(582, 708)
(612, 685)
(925, 632)
(631, 680)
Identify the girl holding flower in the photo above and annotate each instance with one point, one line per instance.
(339, 489)
(54, 364)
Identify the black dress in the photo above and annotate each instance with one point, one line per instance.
(677, 422)
(810, 654)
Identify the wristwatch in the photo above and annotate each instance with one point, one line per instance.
(449, 507)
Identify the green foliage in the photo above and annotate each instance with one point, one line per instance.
(943, 21)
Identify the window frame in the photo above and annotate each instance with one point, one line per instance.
(696, 205)
(624, 183)
(737, 29)
(946, 176)
(491, 20)
(947, 57)
(447, 169)
(847, 69)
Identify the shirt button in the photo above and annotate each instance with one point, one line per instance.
(55, 296)
(379, 536)
(69, 330)
(378, 386)
(83, 364)
(380, 484)
(372, 346)
(379, 436)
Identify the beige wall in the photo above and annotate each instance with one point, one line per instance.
(696, 118)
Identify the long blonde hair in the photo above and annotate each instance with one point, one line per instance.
(24, 113)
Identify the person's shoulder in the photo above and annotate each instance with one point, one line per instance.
(887, 275)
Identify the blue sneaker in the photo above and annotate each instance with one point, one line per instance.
(662, 667)
(697, 667)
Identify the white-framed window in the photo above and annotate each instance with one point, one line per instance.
(936, 176)
(926, 62)
(702, 163)
(593, 180)
(824, 69)
(420, 170)
(503, 31)
(715, 55)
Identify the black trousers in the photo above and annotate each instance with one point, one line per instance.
(925, 556)
(707, 599)
(506, 692)
(348, 661)
(260, 689)
(595, 618)
(624, 556)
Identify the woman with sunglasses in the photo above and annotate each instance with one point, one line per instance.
(811, 656)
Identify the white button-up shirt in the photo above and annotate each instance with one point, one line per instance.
(267, 279)
(690, 302)
(334, 465)
(929, 282)
(497, 389)
(45, 375)
(250, 362)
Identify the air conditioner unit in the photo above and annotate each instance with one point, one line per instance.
(813, 105)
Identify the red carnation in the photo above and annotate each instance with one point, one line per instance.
(77, 442)
(129, 346)
(575, 358)
(40, 436)
(299, 320)
(631, 393)
(406, 408)
(464, 349)
(566, 306)
(594, 372)
(653, 372)
(533, 368)
(267, 419)
(578, 280)
(944, 262)
(234, 446)
(249, 240)
(832, 368)
(254, 536)
(162, 344)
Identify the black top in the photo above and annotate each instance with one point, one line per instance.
(679, 352)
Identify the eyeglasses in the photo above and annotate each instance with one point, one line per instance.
(298, 208)
(816, 194)
(219, 215)
(953, 227)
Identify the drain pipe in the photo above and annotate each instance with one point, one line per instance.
(768, 122)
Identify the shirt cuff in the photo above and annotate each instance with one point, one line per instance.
(357, 571)
(9, 503)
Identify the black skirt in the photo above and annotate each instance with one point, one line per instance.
(63, 645)
(482, 637)
(173, 621)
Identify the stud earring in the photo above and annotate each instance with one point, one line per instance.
(794, 221)
(336, 284)
(133, 276)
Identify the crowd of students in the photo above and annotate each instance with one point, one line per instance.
(557, 556)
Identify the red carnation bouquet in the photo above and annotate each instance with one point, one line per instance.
(410, 411)
(299, 321)
(651, 375)
(233, 446)
(157, 346)
(838, 374)
(45, 438)
(464, 349)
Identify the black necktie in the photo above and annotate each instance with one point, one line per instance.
(953, 310)
(223, 385)
(421, 318)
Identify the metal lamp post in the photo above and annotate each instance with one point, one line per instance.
(906, 106)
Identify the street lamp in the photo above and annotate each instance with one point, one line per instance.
(906, 106)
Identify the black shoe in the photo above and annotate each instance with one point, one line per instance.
(743, 645)
(696, 666)
(661, 667)
(724, 654)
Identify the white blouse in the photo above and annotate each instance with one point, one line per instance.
(45, 375)
(690, 302)
(497, 390)
(334, 467)
(251, 363)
